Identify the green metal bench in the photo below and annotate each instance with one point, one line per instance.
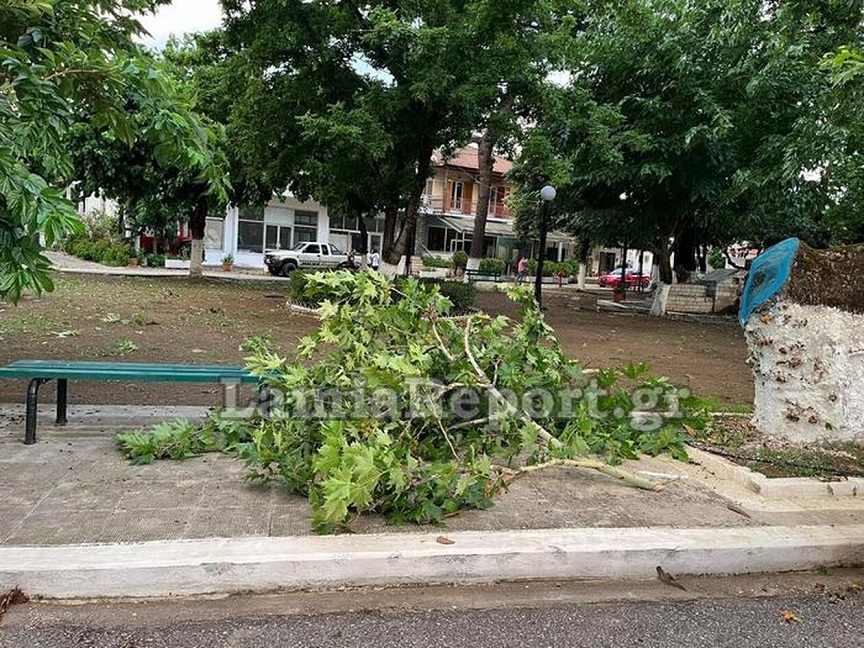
(477, 275)
(42, 371)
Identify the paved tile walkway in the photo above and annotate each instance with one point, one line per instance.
(73, 486)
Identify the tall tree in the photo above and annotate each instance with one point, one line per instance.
(59, 60)
(689, 124)
(348, 101)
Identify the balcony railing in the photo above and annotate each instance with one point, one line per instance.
(448, 205)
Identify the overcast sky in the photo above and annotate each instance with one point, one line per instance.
(180, 17)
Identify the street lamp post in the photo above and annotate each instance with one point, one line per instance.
(547, 195)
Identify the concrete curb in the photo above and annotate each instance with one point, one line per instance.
(776, 487)
(162, 569)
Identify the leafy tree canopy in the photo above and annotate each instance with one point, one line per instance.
(699, 122)
(347, 101)
(62, 63)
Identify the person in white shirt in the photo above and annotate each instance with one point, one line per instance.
(374, 260)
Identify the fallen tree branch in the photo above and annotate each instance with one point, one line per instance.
(509, 408)
(594, 464)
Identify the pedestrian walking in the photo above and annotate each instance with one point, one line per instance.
(521, 267)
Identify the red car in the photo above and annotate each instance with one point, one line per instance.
(613, 279)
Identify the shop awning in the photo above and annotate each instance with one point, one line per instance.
(493, 228)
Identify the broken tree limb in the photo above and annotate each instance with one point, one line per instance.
(600, 466)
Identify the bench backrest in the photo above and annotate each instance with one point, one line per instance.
(86, 370)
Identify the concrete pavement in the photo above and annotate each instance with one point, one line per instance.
(63, 262)
(76, 520)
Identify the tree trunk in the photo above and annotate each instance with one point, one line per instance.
(390, 260)
(485, 164)
(391, 213)
(661, 294)
(685, 250)
(584, 258)
(197, 225)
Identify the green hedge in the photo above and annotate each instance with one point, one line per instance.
(436, 262)
(462, 295)
(492, 265)
(297, 289)
(550, 268)
(102, 251)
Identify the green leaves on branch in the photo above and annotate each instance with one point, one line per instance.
(63, 63)
(392, 406)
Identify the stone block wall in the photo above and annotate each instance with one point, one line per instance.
(689, 298)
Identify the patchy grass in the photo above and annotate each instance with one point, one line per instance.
(736, 439)
(205, 322)
(718, 407)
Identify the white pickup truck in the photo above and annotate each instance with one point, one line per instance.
(314, 254)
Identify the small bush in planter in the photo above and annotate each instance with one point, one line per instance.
(228, 262)
(460, 259)
(436, 262)
(492, 266)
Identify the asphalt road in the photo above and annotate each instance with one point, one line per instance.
(832, 616)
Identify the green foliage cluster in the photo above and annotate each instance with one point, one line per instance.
(154, 260)
(412, 455)
(436, 262)
(65, 64)
(180, 439)
(461, 295)
(492, 265)
(100, 250)
(551, 268)
(304, 292)
(297, 293)
(460, 259)
(716, 258)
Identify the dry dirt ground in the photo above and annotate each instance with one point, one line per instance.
(172, 320)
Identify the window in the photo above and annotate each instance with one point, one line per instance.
(455, 195)
(311, 249)
(251, 212)
(304, 234)
(250, 236)
(250, 228)
(340, 222)
(277, 237)
(437, 239)
(306, 218)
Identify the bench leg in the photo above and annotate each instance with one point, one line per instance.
(229, 395)
(61, 402)
(32, 405)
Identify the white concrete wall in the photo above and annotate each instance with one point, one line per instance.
(808, 365)
(276, 212)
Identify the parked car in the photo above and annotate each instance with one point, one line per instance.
(314, 255)
(634, 279)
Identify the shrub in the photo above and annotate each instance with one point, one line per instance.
(297, 281)
(155, 260)
(460, 259)
(492, 265)
(461, 294)
(436, 262)
(116, 255)
(566, 267)
(97, 250)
